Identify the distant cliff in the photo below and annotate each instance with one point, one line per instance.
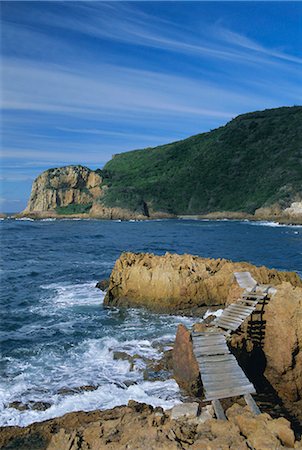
(73, 191)
(71, 188)
(251, 167)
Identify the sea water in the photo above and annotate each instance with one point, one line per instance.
(57, 336)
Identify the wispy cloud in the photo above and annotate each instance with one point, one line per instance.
(241, 41)
(84, 80)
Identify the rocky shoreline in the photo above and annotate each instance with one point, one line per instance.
(126, 215)
(138, 426)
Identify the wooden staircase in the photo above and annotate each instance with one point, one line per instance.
(221, 375)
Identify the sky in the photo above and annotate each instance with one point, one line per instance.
(81, 81)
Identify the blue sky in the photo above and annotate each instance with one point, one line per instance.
(81, 81)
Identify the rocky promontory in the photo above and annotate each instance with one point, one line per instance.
(182, 283)
(74, 191)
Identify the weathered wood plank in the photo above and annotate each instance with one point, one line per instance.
(225, 368)
(223, 376)
(227, 321)
(239, 308)
(218, 410)
(232, 319)
(252, 404)
(211, 353)
(249, 389)
(211, 377)
(212, 368)
(228, 325)
(201, 348)
(204, 342)
(235, 315)
(218, 358)
(209, 342)
(221, 386)
(206, 333)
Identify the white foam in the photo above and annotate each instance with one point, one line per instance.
(214, 313)
(67, 294)
(51, 368)
(158, 393)
(90, 363)
(264, 223)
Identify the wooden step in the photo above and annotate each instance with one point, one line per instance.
(240, 308)
(226, 393)
(214, 349)
(217, 358)
(208, 378)
(234, 315)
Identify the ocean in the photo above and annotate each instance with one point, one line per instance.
(57, 337)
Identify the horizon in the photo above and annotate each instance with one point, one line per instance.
(134, 75)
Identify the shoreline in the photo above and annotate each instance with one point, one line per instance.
(215, 217)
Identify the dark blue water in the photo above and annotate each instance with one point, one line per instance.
(55, 332)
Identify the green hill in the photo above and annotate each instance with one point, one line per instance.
(252, 161)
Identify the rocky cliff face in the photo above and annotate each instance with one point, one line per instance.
(173, 283)
(62, 187)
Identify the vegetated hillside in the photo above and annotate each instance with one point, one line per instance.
(255, 160)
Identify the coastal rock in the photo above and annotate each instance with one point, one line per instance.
(73, 191)
(172, 282)
(281, 347)
(62, 187)
(185, 410)
(140, 426)
(277, 213)
(185, 365)
(102, 285)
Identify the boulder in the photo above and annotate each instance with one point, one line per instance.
(185, 410)
(185, 366)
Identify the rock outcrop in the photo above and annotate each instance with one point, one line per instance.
(277, 213)
(139, 426)
(172, 282)
(62, 187)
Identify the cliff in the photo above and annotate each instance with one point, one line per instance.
(70, 189)
(185, 283)
(249, 168)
